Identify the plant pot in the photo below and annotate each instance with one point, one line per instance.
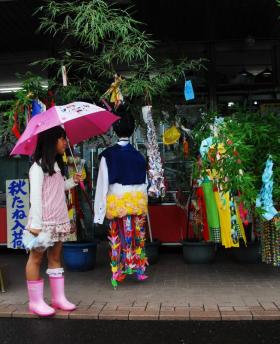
(152, 251)
(198, 252)
(79, 256)
(248, 255)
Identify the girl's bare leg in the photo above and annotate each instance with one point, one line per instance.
(54, 256)
(33, 265)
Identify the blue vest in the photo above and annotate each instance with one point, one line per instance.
(125, 164)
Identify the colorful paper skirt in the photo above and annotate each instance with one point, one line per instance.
(129, 203)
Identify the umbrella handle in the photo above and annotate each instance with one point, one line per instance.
(82, 185)
(76, 168)
(71, 152)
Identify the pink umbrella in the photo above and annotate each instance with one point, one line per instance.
(80, 120)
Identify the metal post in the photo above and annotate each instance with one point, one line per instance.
(149, 226)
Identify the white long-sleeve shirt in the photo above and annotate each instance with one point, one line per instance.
(103, 188)
(36, 177)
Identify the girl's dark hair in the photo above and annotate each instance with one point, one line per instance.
(45, 154)
(125, 126)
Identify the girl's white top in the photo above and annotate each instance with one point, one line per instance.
(47, 197)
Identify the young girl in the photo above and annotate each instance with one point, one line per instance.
(48, 222)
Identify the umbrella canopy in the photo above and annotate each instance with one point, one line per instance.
(80, 120)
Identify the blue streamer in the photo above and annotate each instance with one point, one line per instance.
(264, 200)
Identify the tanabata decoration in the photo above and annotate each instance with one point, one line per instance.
(197, 215)
(270, 240)
(64, 76)
(127, 242)
(186, 130)
(155, 170)
(208, 143)
(73, 203)
(15, 128)
(33, 107)
(224, 215)
(202, 206)
(171, 135)
(114, 91)
(188, 90)
(244, 213)
(264, 200)
(37, 106)
(237, 229)
(185, 147)
(231, 226)
(18, 110)
(230, 222)
(205, 146)
(211, 211)
(210, 150)
(130, 203)
(270, 236)
(222, 202)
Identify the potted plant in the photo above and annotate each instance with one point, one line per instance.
(198, 252)
(236, 158)
(151, 245)
(152, 250)
(249, 253)
(80, 255)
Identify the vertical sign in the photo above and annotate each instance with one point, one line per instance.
(17, 193)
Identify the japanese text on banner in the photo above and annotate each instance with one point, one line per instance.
(17, 193)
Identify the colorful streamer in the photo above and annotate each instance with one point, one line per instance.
(264, 200)
(270, 240)
(212, 211)
(127, 242)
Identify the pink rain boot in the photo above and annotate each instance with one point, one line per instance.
(59, 300)
(37, 304)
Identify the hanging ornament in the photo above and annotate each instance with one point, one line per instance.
(264, 200)
(188, 90)
(205, 146)
(64, 76)
(37, 107)
(115, 92)
(270, 240)
(155, 171)
(185, 147)
(171, 135)
(244, 213)
(187, 131)
(15, 128)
